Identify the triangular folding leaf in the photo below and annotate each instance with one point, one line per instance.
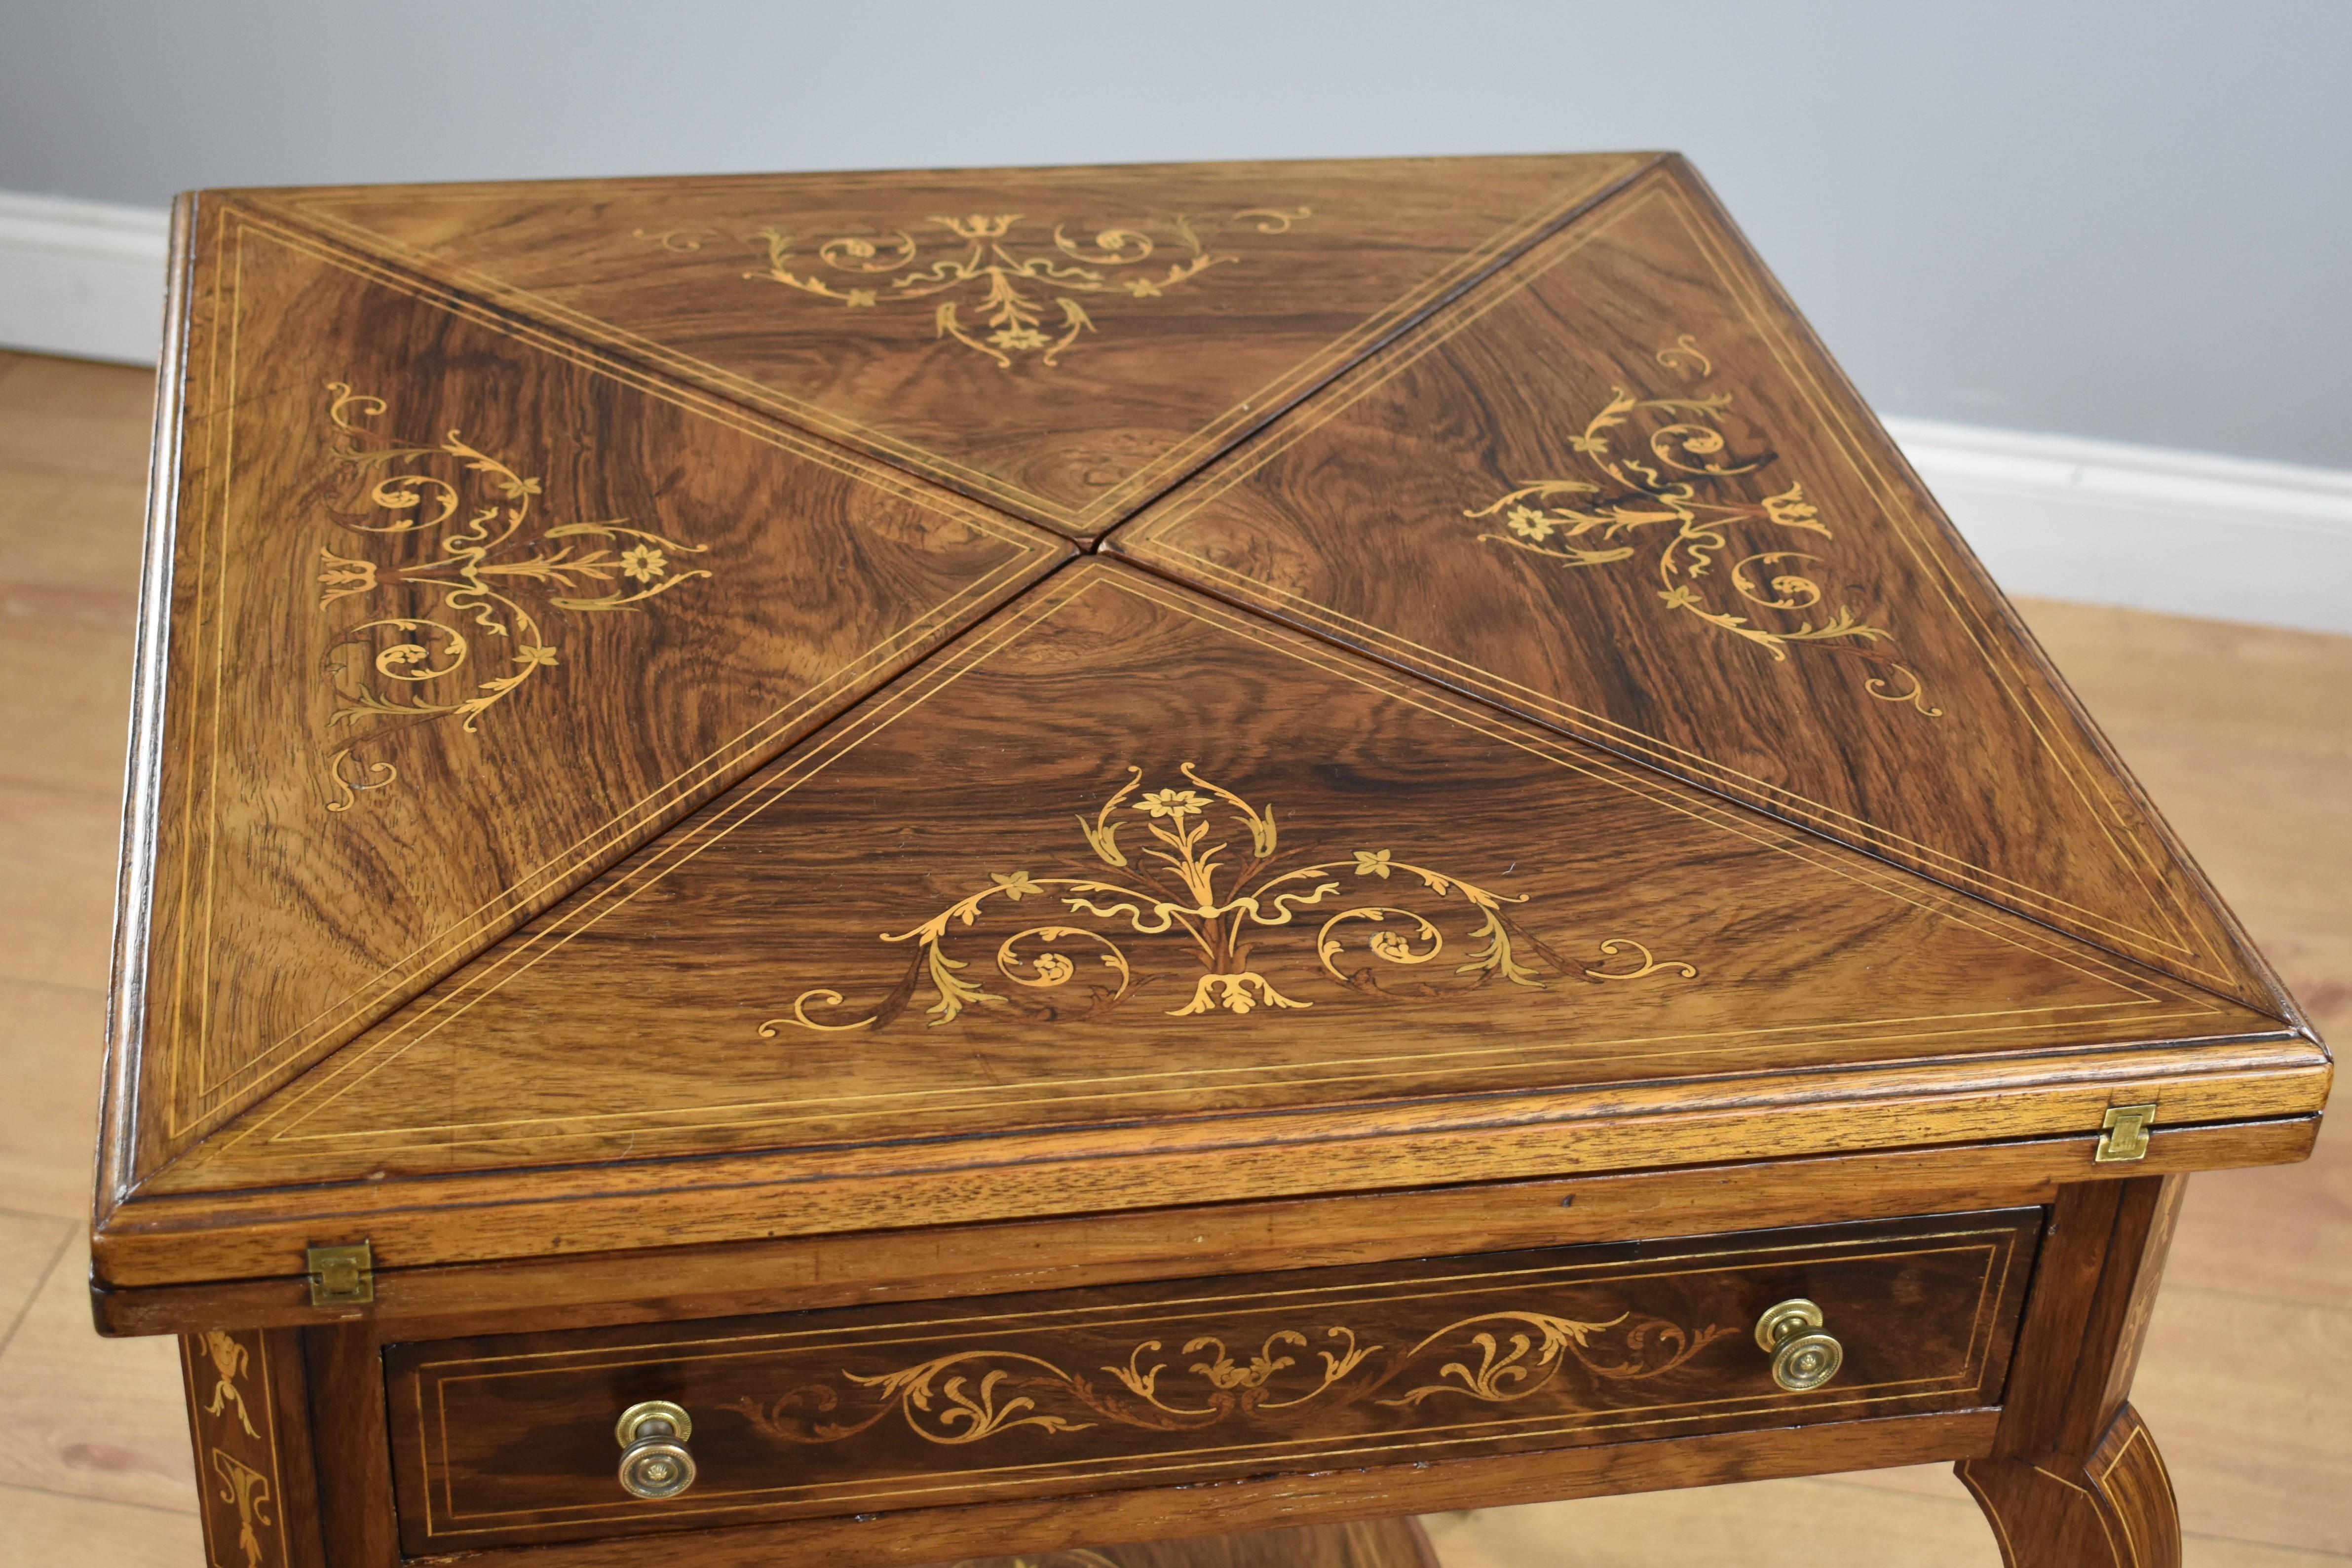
(1124, 855)
(1619, 489)
(1063, 343)
(459, 615)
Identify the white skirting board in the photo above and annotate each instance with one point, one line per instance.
(2057, 516)
(2147, 527)
(82, 278)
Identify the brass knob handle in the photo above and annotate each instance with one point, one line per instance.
(655, 1462)
(1803, 1358)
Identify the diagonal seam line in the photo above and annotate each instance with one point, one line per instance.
(1030, 544)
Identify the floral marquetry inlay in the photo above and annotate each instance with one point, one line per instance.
(230, 1360)
(237, 1447)
(1661, 479)
(1216, 904)
(462, 630)
(1024, 298)
(1183, 1386)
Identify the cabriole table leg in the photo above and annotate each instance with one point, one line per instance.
(2074, 1479)
(2116, 1508)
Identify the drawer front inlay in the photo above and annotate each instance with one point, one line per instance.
(1169, 1383)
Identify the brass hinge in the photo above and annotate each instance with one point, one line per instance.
(342, 1276)
(2123, 1134)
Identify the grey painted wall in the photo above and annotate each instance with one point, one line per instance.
(2127, 220)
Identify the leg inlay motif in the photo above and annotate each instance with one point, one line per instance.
(2115, 1510)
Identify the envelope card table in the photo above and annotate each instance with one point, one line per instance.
(889, 868)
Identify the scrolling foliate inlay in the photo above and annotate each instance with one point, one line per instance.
(480, 571)
(1693, 499)
(1220, 910)
(968, 1397)
(248, 1490)
(237, 1445)
(1027, 302)
(230, 1360)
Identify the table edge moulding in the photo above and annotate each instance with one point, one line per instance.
(922, 865)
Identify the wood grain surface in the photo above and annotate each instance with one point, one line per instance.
(355, 1512)
(1440, 903)
(886, 1408)
(458, 614)
(2113, 1510)
(1063, 343)
(1619, 487)
(1365, 1544)
(1357, 932)
(682, 1283)
(889, 1540)
(1833, 981)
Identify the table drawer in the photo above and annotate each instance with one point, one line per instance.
(510, 1439)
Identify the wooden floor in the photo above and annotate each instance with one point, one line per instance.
(2244, 736)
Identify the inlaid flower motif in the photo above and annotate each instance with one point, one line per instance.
(1529, 523)
(1789, 509)
(1661, 478)
(1231, 991)
(1179, 804)
(339, 577)
(1193, 891)
(1017, 885)
(494, 577)
(1226, 1373)
(1029, 302)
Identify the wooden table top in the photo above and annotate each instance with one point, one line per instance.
(1208, 681)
